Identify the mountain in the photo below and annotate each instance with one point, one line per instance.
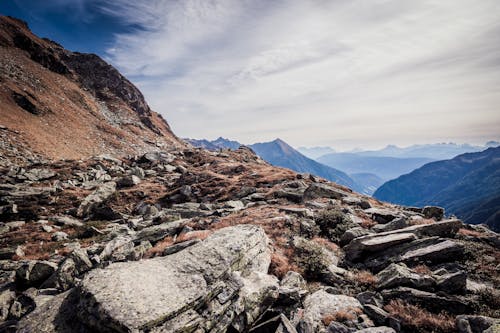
(279, 153)
(384, 167)
(369, 181)
(315, 152)
(219, 143)
(467, 185)
(435, 151)
(62, 104)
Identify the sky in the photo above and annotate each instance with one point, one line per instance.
(340, 73)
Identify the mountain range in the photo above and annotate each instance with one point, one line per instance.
(467, 186)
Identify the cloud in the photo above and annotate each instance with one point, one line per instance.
(339, 72)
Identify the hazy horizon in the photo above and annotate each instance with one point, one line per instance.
(344, 74)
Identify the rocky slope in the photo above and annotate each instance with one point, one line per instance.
(467, 185)
(187, 240)
(59, 104)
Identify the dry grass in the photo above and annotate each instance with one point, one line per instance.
(470, 233)
(341, 316)
(417, 319)
(367, 223)
(280, 265)
(364, 278)
(421, 221)
(197, 234)
(327, 244)
(422, 270)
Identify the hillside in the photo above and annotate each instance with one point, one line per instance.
(61, 104)
(183, 239)
(384, 167)
(467, 185)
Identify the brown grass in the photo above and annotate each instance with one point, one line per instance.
(160, 247)
(422, 270)
(421, 221)
(365, 278)
(280, 265)
(326, 243)
(420, 320)
(341, 316)
(471, 233)
(367, 223)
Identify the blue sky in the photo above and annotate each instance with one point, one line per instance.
(344, 73)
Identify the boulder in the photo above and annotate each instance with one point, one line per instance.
(381, 329)
(369, 244)
(319, 190)
(155, 233)
(382, 215)
(452, 283)
(320, 304)
(34, 273)
(353, 233)
(96, 199)
(302, 212)
(7, 297)
(292, 288)
(161, 293)
(435, 253)
(120, 248)
(397, 223)
(433, 212)
(68, 221)
(475, 324)
(128, 181)
(399, 275)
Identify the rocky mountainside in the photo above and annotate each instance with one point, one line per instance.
(467, 185)
(59, 104)
(181, 239)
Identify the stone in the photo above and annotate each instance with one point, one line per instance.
(68, 221)
(430, 301)
(397, 223)
(378, 315)
(145, 295)
(128, 181)
(453, 283)
(179, 246)
(382, 215)
(10, 251)
(319, 190)
(234, 205)
(381, 329)
(96, 199)
(475, 324)
(353, 201)
(34, 273)
(322, 303)
(435, 253)
(81, 260)
(292, 288)
(120, 248)
(155, 233)
(302, 212)
(369, 244)
(7, 297)
(433, 212)
(353, 233)
(59, 236)
(399, 275)
(15, 225)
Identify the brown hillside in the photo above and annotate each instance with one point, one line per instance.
(68, 105)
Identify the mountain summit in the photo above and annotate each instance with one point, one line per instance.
(62, 104)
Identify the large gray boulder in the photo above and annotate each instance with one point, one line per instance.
(216, 283)
(399, 275)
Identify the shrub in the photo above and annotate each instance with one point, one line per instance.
(280, 265)
(418, 320)
(364, 278)
(333, 223)
(422, 270)
(311, 258)
(341, 316)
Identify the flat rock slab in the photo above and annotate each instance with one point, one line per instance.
(139, 296)
(361, 245)
(441, 252)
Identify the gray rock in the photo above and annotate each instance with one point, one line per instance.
(435, 253)
(381, 329)
(146, 294)
(59, 236)
(353, 233)
(81, 260)
(318, 190)
(475, 324)
(397, 223)
(10, 251)
(378, 315)
(320, 304)
(155, 233)
(353, 201)
(34, 273)
(433, 212)
(120, 248)
(66, 221)
(382, 215)
(399, 275)
(292, 288)
(302, 212)
(179, 246)
(234, 205)
(369, 244)
(128, 181)
(96, 198)
(7, 297)
(453, 283)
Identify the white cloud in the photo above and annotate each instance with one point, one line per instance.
(344, 73)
